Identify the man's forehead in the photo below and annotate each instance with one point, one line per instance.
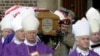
(64, 25)
(83, 36)
(95, 32)
(31, 31)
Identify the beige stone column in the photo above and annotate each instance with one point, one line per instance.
(49, 4)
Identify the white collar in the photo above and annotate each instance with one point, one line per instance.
(16, 41)
(30, 44)
(91, 43)
(82, 51)
(3, 39)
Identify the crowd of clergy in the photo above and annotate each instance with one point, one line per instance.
(19, 34)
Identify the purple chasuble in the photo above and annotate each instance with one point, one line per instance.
(75, 53)
(40, 47)
(10, 49)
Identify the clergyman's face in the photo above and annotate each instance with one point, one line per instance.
(83, 42)
(20, 34)
(6, 32)
(95, 37)
(31, 35)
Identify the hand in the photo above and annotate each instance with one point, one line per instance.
(60, 35)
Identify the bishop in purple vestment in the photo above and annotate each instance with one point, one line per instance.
(6, 29)
(17, 39)
(82, 39)
(31, 46)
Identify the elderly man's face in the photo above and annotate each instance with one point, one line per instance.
(83, 42)
(31, 35)
(6, 32)
(95, 37)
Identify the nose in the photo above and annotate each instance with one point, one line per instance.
(87, 40)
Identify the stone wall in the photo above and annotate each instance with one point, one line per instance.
(5, 4)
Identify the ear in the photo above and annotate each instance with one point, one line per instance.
(77, 42)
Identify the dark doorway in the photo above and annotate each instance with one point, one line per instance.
(78, 6)
(96, 4)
